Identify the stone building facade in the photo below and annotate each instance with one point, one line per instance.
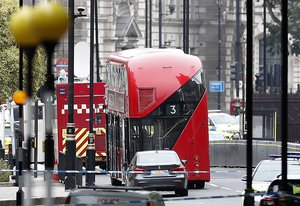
(121, 25)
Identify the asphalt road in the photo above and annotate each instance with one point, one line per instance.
(224, 182)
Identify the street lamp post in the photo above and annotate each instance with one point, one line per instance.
(284, 96)
(150, 23)
(237, 50)
(19, 162)
(20, 27)
(160, 24)
(49, 34)
(249, 200)
(70, 181)
(264, 48)
(97, 43)
(186, 25)
(219, 52)
(90, 177)
(146, 23)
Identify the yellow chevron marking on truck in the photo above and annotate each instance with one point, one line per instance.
(79, 149)
(100, 131)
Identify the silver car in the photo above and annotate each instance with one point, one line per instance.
(160, 170)
(114, 196)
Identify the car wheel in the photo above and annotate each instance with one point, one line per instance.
(115, 182)
(127, 184)
(182, 192)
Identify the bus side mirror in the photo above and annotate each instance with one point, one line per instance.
(244, 178)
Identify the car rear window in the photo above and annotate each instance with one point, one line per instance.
(158, 158)
(293, 187)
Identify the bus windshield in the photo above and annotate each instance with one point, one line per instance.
(162, 128)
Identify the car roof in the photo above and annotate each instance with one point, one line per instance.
(93, 196)
(113, 191)
(218, 114)
(277, 161)
(156, 152)
(278, 181)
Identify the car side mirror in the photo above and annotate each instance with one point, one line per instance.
(244, 178)
(184, 162)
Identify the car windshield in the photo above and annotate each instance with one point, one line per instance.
(158, 158)
(236, 120)
(268, 171)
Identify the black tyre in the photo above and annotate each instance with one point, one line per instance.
(182, 192)
(191, 185)
(196, 184)
(200, 184)
(115, 182)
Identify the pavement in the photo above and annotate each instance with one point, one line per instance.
(38, 190)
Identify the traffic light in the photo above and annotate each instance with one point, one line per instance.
(233, 71)
(45, 95)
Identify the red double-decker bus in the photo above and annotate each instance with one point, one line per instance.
(156, 99)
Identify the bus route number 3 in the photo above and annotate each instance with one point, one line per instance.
(172, 109)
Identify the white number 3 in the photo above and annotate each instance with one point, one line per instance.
(173, 109)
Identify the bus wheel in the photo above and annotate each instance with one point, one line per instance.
(115, 182)
(191, 185)
(200, 184)
(196, 184)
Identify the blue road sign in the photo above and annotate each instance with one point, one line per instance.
(216, 86)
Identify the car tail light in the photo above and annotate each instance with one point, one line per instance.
(139, 170)
(267, 202)
(149, 203)
(68, 200)
(178, 169)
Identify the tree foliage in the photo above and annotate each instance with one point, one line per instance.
(274, 27)
(9, 56)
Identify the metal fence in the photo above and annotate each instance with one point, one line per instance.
(232, 153)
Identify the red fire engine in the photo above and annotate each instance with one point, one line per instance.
(81, 119)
